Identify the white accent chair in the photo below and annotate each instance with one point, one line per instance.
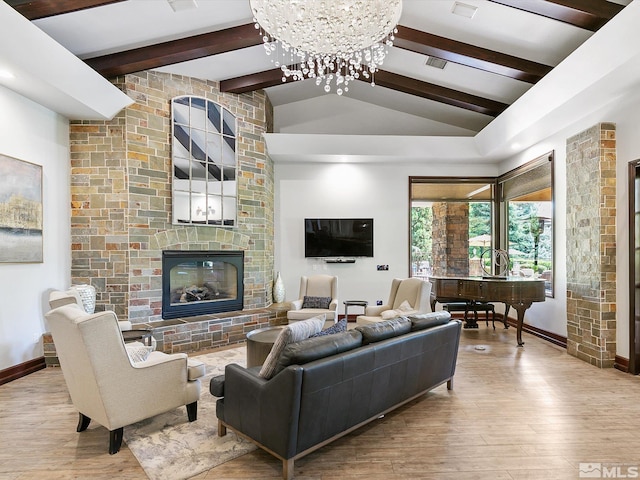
(414, 291)
(58, 298)
(106, 385)
(316, 286)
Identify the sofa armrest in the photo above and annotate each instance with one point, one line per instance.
(376, 310)
(265, 410)
(296, 304)
(216, 386)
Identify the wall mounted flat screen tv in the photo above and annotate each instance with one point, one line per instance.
(338, 237)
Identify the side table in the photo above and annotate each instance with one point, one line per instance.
(137, 334)
(259, 343)
(280, 310)
(355, 303)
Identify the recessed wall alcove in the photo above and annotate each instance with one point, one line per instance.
(121, 201)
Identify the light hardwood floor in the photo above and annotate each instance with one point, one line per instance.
(514, 413)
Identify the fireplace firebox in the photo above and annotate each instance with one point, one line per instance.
(200, 282)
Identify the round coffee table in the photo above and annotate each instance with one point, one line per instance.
(259, 343)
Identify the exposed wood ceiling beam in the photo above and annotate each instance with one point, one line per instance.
(189, 48)
(587, 14)
(34, 9)
(175, 51)
(253, 81)
(271, 78)
(469, 55)
(438, 93)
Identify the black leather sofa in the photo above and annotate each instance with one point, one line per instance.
(329, 386)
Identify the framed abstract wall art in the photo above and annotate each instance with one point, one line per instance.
(20, 211)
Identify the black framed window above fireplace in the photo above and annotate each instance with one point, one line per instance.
(201, 282)
(204, 161)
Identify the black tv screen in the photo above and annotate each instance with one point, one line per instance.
(338, 237)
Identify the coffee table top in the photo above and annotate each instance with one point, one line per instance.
(264, 335)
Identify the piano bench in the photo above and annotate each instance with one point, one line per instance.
(474, 307)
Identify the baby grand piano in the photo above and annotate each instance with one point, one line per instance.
(518, 292)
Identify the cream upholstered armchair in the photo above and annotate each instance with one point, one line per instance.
(318, 295)
(407, 297)
(58, 298)
(107, 385)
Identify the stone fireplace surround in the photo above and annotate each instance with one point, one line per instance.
(121, 208)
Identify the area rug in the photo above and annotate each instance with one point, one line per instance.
(169, 447)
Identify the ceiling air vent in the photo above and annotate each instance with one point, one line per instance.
(436, 62)
(180, 5)
(464, 10)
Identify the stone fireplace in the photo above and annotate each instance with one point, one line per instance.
(121, 204)
(201, 282)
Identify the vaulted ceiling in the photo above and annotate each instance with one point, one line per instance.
(493, 52)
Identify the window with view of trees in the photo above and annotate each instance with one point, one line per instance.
(526, 205)
(454, 223)
(451, 225)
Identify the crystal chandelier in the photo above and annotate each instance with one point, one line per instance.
(333, 41)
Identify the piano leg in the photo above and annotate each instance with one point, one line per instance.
(520, 308)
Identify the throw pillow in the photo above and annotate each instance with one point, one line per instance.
(316, 302)
(338, 327)
(405, 307)
(291, 333)
(389, 314)
(138, 353)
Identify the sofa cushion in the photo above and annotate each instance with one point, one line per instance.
(291, 333)
(422, 321)
(338, 327)
(375, 332)
(310, 349)
(316, 302)
(138, 352)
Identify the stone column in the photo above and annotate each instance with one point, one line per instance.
(450, 239)
(591, 247)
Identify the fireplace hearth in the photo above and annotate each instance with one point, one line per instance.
(200, 282)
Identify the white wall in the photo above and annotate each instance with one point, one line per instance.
(381, 192)
(35, 134)
(625, 114)
(350, 190)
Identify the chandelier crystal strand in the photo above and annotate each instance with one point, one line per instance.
(333, 41)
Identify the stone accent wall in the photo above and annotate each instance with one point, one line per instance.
(591, 245)
(121, 197)
(450, 234)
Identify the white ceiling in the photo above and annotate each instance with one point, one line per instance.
(302, 110)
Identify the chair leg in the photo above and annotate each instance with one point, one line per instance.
(192, 411)
(83, 423)
(115, 440)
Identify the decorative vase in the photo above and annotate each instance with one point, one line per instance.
(278, 289)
